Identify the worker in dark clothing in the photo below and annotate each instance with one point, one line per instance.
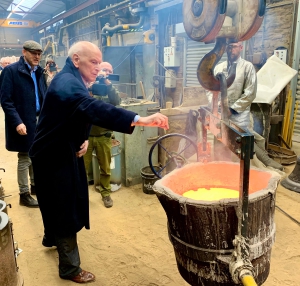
(58, 148)
(22, 91)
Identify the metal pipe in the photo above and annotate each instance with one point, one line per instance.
(114, 29)
(248, 280)
(109, 31)
(120, 36)
(157, 2)
(44, 38)
(108, 41)
(100, 13)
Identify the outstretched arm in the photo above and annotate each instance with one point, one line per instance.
(154, 120)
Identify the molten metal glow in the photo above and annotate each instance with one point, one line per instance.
(212, 194)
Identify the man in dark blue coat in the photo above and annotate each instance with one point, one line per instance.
(57, 152)
(22, 92)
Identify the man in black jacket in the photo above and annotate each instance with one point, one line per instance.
(22, 91)
(57, 152)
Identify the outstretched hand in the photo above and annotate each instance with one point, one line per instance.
(154, 120)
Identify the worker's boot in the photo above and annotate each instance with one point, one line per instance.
(263, 156)
(108, 202)
(28, 201)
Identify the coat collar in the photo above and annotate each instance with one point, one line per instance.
(70, 68)
(22, 66)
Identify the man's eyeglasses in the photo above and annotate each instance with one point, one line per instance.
(230, 47)
(107, 71)
(35, 53)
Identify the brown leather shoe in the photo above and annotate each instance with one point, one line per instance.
(83, 277)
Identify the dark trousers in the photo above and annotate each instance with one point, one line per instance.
(68, 254)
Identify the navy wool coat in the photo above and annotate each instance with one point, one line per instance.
(64, 123)
(18, 101)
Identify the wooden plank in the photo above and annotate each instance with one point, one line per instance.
(291, 131)
(286, 119)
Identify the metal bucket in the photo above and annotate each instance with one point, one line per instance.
(115, 165)
(148, 179)
(9, 275)
(202, 232)
(3, 206)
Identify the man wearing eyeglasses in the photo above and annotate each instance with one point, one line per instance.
(243, 90)
(22, 90)
(240, 96)
(100, 138)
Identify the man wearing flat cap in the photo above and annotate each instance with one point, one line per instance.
(22, 91)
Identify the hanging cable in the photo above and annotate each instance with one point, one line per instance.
(167, 71)
(293, 219)
(129, 53)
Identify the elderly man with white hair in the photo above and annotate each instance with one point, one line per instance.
(57, 152)
(4, 62)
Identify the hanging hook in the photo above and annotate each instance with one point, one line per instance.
(205, 71)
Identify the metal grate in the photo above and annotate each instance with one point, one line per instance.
(85, 31)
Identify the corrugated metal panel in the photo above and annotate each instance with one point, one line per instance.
(297, 123)
(194, 53)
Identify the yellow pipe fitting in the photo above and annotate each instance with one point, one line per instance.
(108, 41)
(126, 27)
(248, 280)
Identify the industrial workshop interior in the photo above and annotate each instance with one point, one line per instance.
(211, 198)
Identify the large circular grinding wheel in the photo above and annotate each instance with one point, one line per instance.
(203, 19)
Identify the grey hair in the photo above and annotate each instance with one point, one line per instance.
(79, 47)
(74, 49)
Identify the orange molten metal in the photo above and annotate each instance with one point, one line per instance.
(220, 175)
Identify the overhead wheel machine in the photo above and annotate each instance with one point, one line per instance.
(225, 242)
